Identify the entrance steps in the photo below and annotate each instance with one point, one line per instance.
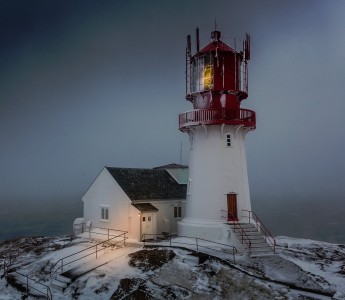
(258, 244)
(60, 282)
(63, 280)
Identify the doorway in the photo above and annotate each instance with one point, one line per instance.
(232, 207)
(148, 225)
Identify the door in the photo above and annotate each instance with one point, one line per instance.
(148, 225)
(232, 207)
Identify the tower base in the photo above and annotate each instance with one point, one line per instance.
(216, 231)
(209, 230)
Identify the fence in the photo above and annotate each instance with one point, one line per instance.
(30, 284)
(198, 243)
(95, 249)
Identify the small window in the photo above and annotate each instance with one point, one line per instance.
(149, 218)
(191, 140)
(189, 186)
(105, 213)
(177, 212)
(144, 219)
(228, 140)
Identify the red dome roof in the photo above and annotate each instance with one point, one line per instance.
(217, 45)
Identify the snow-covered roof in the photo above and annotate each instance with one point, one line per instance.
(148, 184)
(143, 207)
(172, 166)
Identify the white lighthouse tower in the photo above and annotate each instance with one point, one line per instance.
(218, 189)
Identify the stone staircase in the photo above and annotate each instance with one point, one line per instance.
(63, 280)
(258, 244)
(60, 282)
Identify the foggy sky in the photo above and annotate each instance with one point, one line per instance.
(84, 84)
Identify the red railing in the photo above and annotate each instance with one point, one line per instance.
(268, 236)
(239, 116)
(237, 226)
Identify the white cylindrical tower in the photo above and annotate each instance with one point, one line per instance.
(218, 189)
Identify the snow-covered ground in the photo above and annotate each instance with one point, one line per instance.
(302, 269)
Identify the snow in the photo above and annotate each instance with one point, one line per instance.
(300, 267)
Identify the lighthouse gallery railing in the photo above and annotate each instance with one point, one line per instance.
(239, 116)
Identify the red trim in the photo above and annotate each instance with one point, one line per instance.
(196, 117)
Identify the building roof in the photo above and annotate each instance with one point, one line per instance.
(213, 46)
(148, 184)
(144, 207)
(172, 166)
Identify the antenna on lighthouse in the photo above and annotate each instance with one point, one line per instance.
(246, 47)
(197, 40)
(189, 46)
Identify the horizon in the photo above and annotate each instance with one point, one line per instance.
(86, 84)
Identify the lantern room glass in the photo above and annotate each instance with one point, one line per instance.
(202, 73)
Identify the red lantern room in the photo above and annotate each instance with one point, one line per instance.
(216, 83)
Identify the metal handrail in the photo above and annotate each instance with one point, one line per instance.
(213, 116)
(8, 261)
(268, 236)
(13, 254)
(48, 292)
(108, 229)
(244, 237)
(61, 260)
(198, 245)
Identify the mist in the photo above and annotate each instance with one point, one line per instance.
(88, 84)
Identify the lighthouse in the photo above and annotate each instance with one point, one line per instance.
(218, 188)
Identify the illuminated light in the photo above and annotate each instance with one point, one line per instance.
(208, 77)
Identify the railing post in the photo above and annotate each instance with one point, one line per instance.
(170, 240)
(108, 233)
(96, 251)
(273, 244)
(61, 265)
(82, 227)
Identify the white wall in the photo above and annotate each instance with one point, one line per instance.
(105, 191)
(165, 215)
(215, 170)
(166, 221)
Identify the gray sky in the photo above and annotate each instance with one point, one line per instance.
(85, 84)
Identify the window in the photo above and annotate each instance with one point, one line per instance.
(189, 186)
(202, 73)
(228, 140)
(191, 139)
(177, 212)
(105, 213)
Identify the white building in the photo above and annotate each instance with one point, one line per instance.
(139, 201)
